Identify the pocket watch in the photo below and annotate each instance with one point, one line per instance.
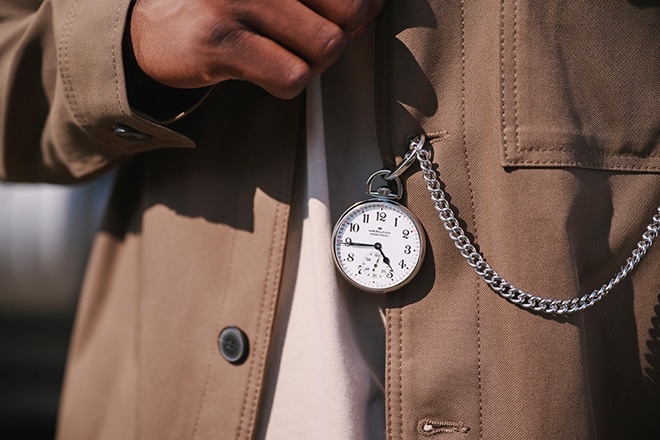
(378, 244)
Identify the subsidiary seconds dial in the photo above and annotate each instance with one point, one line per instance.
(378, 245)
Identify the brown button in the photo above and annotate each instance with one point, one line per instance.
(233, 345)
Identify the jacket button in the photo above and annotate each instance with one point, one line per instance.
(233, 345)
(126, 132)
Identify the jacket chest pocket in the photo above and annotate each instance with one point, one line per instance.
(580, 85)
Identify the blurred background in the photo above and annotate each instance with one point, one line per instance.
(45, 236)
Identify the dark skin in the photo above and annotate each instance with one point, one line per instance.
(278, 45)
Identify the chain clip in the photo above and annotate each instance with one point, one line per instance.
(416, 144)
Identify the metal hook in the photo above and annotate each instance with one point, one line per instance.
(416, 145)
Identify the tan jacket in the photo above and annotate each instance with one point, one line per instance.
(544, 123)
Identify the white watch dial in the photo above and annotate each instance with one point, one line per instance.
(378, 245)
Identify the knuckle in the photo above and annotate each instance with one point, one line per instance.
(354, 12)
(222, 40)
(224, 33)
(294, 80)
(330, 42)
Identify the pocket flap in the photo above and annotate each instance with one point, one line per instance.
(580, 85)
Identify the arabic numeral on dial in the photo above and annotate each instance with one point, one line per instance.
(406, 233)
(381, 216)
(390, 275)
(365, 218)
(407, 249)
(402, 264)
(396, 222)
(353, 227)
(348, 241)
(350, 257)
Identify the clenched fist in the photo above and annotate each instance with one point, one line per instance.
(276, 44)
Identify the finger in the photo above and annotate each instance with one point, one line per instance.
(248, 56)
(312, 37)
(350, 15)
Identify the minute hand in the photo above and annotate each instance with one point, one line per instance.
(352, 243)
(386, 260)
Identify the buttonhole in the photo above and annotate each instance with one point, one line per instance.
(437, 135)
(430, 427)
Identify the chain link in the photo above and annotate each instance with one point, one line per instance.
(496, 282)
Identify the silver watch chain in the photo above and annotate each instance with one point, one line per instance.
(495, 281)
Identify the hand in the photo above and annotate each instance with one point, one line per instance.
(276, 44)
(350, 242)
(379, 248)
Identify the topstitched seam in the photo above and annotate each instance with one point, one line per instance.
(202, 402)
(63, 63)
(479, 362)
(262, 305)
(286, 184)
(472, 202)
(114, 61)
(400, 365)
(389, 369)
(269, 279)
(515, 75)
(503, 85)
(594, 165)
(588, 152)
(391, 303)
(232, 252)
